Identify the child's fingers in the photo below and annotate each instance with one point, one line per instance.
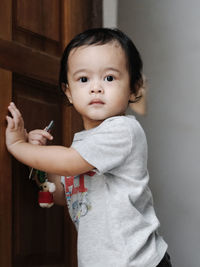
(12, 109)
(39, 137)
(16, 109)
(10, 122)
(47, 135)
(18, 120)
(42, 133)
(36, 142)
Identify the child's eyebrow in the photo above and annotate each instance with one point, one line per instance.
(112, 69)
(79, 71)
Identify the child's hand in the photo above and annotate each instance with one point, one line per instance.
(39, 137)
(15, 132)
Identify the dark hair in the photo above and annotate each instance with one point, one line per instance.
(100, 36)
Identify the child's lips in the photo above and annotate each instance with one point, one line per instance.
(96, 102)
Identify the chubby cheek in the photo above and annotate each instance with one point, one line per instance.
(122, 105)
(79, 102)
(77, 97)
(121, 100)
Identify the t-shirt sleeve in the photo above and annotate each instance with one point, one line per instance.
(108, 146)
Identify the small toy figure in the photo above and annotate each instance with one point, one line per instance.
(45, 196)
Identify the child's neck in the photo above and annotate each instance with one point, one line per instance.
(91, 124)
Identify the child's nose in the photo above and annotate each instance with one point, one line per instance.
(96, 89)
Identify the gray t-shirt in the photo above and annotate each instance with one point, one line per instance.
(112, 207)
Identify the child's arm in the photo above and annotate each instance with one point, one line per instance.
(51, 159)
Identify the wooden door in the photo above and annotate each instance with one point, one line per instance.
(33, 35)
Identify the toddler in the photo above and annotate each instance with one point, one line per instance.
(103, 176)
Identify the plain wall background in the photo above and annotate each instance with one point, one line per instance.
(110, 13)
(167, 33)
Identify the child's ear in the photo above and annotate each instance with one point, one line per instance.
(132, 98)
(140, 106)
(64, 87)
(66, 90)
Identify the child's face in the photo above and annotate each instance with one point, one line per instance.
(98, 82)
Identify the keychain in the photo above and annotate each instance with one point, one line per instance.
(45, 196)
(47, 129)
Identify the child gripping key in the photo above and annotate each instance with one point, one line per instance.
(102, 176)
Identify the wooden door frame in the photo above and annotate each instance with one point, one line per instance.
(5, 159)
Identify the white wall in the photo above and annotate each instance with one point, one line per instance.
(168, 35)
(110, 10)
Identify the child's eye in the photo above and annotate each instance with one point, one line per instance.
(83, 79)
(109, 78)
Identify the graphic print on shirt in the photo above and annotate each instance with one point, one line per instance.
(77, 196)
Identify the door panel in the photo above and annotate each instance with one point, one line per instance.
(37, 24)
(39, 234)
(33, 35)
(34, 16)
(29, 62)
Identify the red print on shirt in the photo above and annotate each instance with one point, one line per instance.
(71, 189)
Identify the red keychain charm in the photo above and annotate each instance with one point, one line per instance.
(45, 195)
